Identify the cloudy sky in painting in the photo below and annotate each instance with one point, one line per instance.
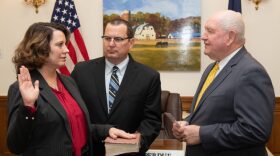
(173, 9)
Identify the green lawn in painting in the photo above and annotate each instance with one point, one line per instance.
(177, 56)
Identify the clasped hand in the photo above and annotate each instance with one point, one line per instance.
(187, 133)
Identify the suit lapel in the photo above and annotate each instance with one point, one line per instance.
(76, 95)
(203, 79)
(130, 73)
(219, 79)
(48, 95)
(100, 83)
(216, 82)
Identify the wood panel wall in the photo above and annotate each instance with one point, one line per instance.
(3, 124)
(273, 144)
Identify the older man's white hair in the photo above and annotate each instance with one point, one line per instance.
(232, 21)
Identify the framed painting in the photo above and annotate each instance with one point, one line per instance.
(167, 32)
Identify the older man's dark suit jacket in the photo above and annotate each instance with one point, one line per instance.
(236, 111)
(49, 134)
(137, 106)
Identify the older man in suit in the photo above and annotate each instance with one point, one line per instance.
(120, 91)
(232, 115)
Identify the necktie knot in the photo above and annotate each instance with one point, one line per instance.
(216, 67)
(115, 69)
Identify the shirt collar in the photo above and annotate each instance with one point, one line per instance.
(224, 61)
(122, 66)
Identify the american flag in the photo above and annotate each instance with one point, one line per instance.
(64, 12)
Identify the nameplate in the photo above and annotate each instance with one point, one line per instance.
(152, 152)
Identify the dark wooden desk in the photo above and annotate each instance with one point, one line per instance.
(167, 147)
(171, 144)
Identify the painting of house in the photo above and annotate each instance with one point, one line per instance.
(145, 31)
(174, 35)
(166, 32)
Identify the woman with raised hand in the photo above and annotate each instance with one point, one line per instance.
(47, 116)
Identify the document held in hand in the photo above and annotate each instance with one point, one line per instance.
(121, 145)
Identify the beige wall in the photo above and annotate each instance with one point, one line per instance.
(262, 31)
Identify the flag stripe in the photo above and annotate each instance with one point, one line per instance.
(72, 52)
(81, 44)
(64, 70)
(69, 64)
(77, 50)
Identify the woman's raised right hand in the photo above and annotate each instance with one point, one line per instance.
(29, 92)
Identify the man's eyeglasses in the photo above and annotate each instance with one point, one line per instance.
(116, 39)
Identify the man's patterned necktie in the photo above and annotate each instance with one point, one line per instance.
(113, 87)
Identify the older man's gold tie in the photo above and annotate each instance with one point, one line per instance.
(208, 81)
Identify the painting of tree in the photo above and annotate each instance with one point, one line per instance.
(167, 32)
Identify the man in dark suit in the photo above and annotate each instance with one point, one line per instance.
(132, 102)
(234, 115)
